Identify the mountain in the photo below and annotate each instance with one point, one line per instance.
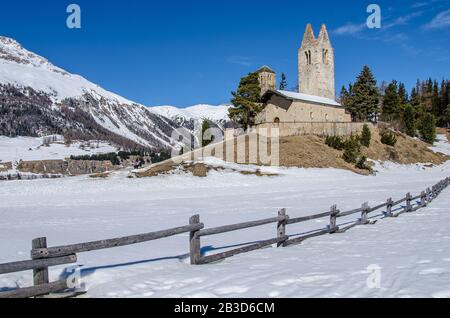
(39, 98)
(194, 116)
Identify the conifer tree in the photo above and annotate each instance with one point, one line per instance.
(364, 97)
(344, 96)
(435, 101)
(246, 101)
(283, 82)
(391, 102)
(428, 128)
(409, 121)
(366, 136)
(403, 94)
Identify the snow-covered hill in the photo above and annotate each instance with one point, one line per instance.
(38, 98)
(217, 114)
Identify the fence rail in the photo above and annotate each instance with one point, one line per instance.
(43, 257)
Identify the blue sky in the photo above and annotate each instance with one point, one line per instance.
(195, 51)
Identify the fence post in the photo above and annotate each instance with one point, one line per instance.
(408, 207)
(194, 241)
(333, 219)
(389, 208)
(40, 275)
(423, 199)
(429, 196)
(364, 214)
(281, 227)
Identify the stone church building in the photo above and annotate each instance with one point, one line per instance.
(313, 109)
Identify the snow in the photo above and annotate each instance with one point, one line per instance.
(30, 148)
(413, 251)
(37, 72)
(309, 98)
(197, 112)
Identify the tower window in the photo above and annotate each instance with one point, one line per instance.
(308, 57)
(325, 56)
(276, 120)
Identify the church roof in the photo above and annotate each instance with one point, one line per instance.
(306, 98)
(265, 68)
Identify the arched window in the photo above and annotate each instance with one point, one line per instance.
(326, 117)
(276, 120)
(311, 115)
(308, 57)
(325, 56)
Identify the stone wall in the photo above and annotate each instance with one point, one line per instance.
(318, 129)
(5, 166)
(301, 112)
(66, 167)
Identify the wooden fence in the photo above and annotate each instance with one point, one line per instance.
(43, 257)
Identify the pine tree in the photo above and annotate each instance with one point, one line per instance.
(409, 121)
(283, 82)
(246, 101)
(344, 96)
(428, 128)
(435, 100)
(364, 97)
(403, 94)
(391, 102)
(366, 136)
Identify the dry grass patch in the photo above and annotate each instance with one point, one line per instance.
(407, 150)
(103, 175)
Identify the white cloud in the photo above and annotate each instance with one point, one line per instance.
(239, 60)
(403, 20)
(349, 29)
(442, 20)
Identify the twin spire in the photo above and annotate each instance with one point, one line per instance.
(310, 39)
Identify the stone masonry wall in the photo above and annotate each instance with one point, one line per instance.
(66, 167)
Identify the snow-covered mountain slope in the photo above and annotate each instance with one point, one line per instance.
(192, 118)
(217, 114)
(32, 90)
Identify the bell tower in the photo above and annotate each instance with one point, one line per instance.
(316, 64)
(267, 79)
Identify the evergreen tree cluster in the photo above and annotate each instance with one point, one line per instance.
(99, 157)
(117, 158)
(416, 114)
(352, 149)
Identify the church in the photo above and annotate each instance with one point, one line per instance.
(313, 109)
